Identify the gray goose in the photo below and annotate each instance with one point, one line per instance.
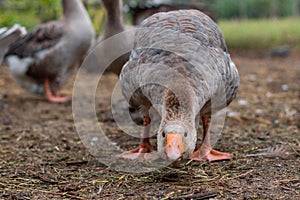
(179, 66)
(113, 25)
(44, 58)
(113, 20)
(8, 36)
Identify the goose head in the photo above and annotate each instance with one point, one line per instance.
(177, 133)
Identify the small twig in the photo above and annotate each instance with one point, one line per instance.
(241, 119)
(168, 196)
(287, 181)
(200, 196)
(100, 189)
(237, 118)
(296, 152)
(227, 164)
(43, 178)
(206, 180)
(238, 176)
(44, 191)
(70, 187)
(20, 136)
(76, 163)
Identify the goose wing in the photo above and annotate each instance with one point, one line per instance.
(8, 36)
(40, 38)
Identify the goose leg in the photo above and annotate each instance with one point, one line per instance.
(144, 147)
(53, 97)
(205, 151)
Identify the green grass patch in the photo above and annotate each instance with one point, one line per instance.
(15, 17)
(261, 34)
(31, 18)
(258, 34)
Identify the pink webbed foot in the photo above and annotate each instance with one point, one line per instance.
(58, 99)
(207, 153)
(52, 97)
(138, 152)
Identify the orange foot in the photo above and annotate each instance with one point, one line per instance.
(207, 153)
(58, 99)
(137, 152)
(52, 97)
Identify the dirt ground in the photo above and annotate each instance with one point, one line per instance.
(42, 156)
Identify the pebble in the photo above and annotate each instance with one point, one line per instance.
(284, 87)
(259, 111)
(6, 122)
(233, 114)
(242, 102)
(269, 94)
(3, 105)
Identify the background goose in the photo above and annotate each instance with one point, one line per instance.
(7, 36)
(144, 9)
(182, 85)
(114, 18)
(42, 60)
(113, 25)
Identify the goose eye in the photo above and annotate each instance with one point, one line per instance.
(163, 134)
(131, 109)
(185, 134)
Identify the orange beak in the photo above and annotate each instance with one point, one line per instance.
(174, 146)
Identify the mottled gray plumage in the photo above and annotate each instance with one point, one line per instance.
(181, 66)
(52, 50)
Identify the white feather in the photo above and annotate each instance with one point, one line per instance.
(174, 128)
(3, 30)
(18, 68)
(40, 55)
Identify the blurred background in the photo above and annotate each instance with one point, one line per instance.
(246, 24)
(43, 157)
